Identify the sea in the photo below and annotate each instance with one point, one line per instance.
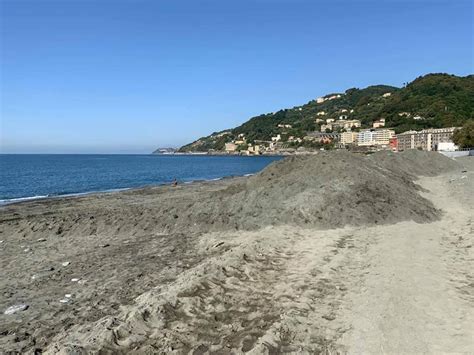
(27, 177)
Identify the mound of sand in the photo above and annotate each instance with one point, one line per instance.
(329, 190)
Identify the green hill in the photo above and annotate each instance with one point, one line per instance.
(434, 100)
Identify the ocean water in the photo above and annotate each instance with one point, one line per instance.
(25, 177)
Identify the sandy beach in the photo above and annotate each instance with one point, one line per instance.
(329, 253)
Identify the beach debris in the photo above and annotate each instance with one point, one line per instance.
(75, 280)
(26, 250)
(66, 263)
(34, 277)
(105, 245)
(218, 245)
(81, 282)
(16, 308)
(1, 241)
(41, 240)
(66, 299)
(463, 171)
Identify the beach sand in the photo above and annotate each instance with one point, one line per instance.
(332, 253)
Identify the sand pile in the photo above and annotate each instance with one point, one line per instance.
(329, 190)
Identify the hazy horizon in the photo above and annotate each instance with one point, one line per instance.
(128, 77)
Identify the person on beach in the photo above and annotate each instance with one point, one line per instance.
(175, 182)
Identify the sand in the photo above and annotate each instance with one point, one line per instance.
(333, 253)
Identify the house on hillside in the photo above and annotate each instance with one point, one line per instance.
(379, 123)
(230, 147)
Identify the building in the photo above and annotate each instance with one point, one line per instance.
(387, 94)
(427, 139)
(375, 137)
(230, 147)
(277, 138)
(379, 123)
(447, 147)
(320, 100)
(322, 137)
(321, 113)
(341, 124)
(393, 143)
(348, 138)
(254, 149)
(282, 125)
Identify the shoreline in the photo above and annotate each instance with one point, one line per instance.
(22, 200)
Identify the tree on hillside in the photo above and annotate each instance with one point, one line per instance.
(464, 137)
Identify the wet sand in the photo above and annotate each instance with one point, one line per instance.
(148, 284)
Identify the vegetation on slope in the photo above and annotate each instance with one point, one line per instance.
(434, 100)
(464, 137)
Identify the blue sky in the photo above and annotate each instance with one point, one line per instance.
(130, 75)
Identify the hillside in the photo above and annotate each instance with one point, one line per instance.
(434, 100)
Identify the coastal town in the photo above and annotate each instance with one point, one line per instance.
(339, 131)
(378, 117)
(347, 134)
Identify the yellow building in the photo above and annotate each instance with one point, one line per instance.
(348, 138)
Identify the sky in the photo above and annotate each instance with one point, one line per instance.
(128, 76)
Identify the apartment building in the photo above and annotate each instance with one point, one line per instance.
(342, 124)
(427, 139)
(348, 138)
(371, 137)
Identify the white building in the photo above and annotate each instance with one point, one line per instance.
(373, 137)
(277, 138)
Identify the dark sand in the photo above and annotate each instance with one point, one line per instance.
(271, 263)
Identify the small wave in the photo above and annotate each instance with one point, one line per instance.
(20, 199)
(75, 194)
(247, 175)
